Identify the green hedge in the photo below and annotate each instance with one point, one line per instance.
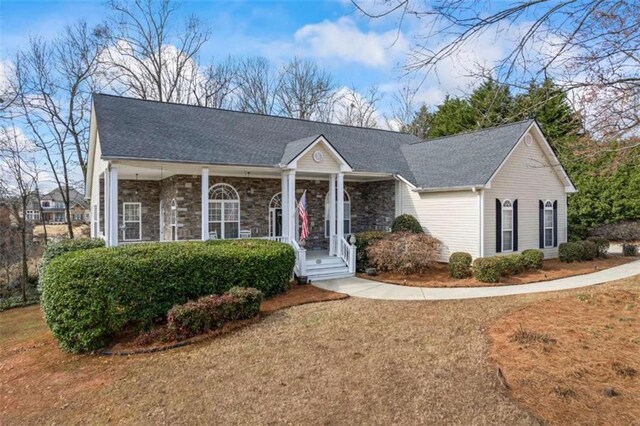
(460, 265)
(602, 245)
(511, 264)
(211, 312)
(88, 296)
(364, 240)
(577, 251)
(66, 246)
(533, 259)
(406, 223)
(629, 249)
(487, 269)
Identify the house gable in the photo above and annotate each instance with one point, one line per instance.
(316, 155)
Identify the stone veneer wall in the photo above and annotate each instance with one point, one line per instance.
(372, 205)
(147, 193)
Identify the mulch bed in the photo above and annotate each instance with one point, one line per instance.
(574, 360)
(156, 339)
(552, 269)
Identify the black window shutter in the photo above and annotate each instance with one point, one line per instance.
(498, 226)
(541, 224)
(515, 225)
(555, 223)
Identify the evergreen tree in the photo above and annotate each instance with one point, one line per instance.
(453, 116)
(421, 123)
(492, 104)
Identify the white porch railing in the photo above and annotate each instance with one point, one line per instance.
(300, 268)
(347, 252)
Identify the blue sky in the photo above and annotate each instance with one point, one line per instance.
(357, 51)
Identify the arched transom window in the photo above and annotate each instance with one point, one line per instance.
(224, 211)
(507, 225)
(347, 214)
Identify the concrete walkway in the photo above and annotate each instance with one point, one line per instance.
(359, 287)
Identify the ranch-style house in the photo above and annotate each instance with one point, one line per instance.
(166, 172)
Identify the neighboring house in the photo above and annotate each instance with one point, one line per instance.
(53, 211)
(160, 171)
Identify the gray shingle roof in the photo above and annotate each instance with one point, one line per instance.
(294, 148)
(466, 159)
(138, 129)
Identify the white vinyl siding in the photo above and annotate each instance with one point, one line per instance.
(529, 177)
(329, 163)
(451, 217)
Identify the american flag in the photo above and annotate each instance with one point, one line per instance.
(304, 216)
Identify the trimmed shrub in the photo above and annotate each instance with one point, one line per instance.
(66, 246)
(571, 252)
(405, 252)
(629, 249)
(363, 241)
(487, 269)
(211, 312)
(533, 259)
(602, 244)
(589, 250)
(407, 223)
(88, 296)
(460, 265)
(512, 264)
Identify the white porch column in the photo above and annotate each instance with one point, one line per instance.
(332, 213)
(105, 208)
(204, 200)
(112, 213)
(340, 209)
(291, 186)
(284, 204)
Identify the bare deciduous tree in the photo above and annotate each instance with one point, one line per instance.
(356, 109)
(146, 56)
(590, 47)
(258, 84)
(14, 154)
(215, 85)
(304, 89)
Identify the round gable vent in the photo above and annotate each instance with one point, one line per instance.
(528, 140)
(318, 156)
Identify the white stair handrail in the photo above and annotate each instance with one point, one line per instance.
(347, 253)
(301, 258)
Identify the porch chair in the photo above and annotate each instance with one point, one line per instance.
(213, 235)
(245, 233)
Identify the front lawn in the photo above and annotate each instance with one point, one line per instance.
(353, 361)
(553, 269)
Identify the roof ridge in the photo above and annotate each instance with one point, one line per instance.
(470, 132)
(251, 113)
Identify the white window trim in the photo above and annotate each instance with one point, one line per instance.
(222, 220)
(503, 209)
(347, 202)
(124, 222)
(274, 205)
(544, 224)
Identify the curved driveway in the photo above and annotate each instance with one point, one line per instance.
(359, 287)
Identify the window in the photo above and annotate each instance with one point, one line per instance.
(45, 204)
(507, 226)
(132, 221)
(548, 224)
(174, 220)
(224, 211)
(275, 216)
(347, 215)
(77, 217)
(33, 215)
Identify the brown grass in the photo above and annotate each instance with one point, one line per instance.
(574, 360)
(352, 361)
(553, 269)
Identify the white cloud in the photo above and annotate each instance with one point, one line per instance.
(345, 41)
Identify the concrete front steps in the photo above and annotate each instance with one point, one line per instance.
(326, 268)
